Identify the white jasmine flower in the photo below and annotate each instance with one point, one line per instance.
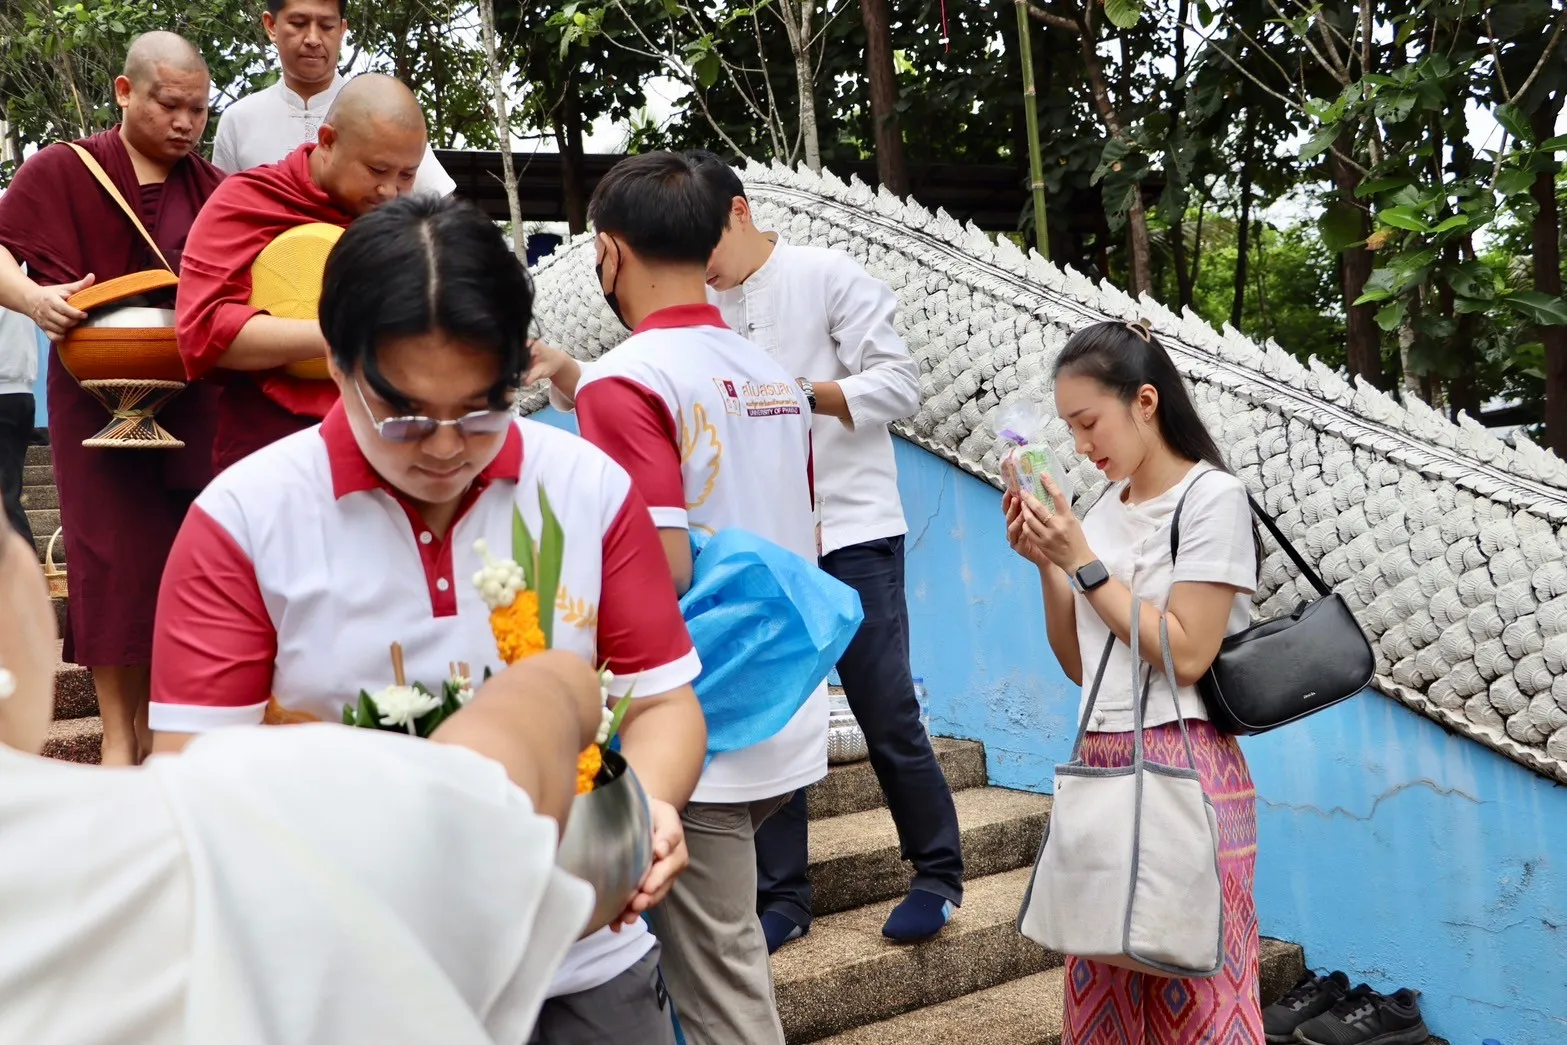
(403, 705)
(498, 581)
(464, 687)
(604, 724)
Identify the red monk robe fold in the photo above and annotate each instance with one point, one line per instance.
(247, 213)
(120, 509)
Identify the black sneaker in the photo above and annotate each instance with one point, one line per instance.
(1364, 1017)
(1309, 998)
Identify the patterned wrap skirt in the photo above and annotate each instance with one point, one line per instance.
(1106, 1005)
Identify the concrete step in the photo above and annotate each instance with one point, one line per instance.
(44, 521)
(852, 788)
(855, 858)
(1026, 1011)
(35, 475)
(844, 974)
(75, 740)
(59, 613)
(39, 455)
(74, 695)
(37, 498)
(41, 544)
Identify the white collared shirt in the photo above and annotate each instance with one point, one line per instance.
(824, 318)
(1133, 542)
(297, 568)
(18, 353)
(266, 126)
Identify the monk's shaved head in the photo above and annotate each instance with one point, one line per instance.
(370, 144)
(159, 48)
(372, 103)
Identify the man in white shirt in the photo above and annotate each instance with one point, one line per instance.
(830, 323)
(266, 126)
(18, 373)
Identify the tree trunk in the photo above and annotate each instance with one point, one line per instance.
(1243, 232)
(797, 16)
(1140, 265)
(1183, 279)
(568, 139)
(1362, 336)
(1548, 280)
(891, 165)
(502, 126)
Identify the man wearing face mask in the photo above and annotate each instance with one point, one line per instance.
(716, 435)
(368, 153)
(266, 126)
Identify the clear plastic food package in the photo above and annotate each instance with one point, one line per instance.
(1026, 459)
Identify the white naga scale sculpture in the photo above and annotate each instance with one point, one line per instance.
(1445, 541)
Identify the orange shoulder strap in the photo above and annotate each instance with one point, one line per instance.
(98, 172)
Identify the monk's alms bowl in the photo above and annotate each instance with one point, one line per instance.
(608, 841)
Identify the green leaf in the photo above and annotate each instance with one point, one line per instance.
(1514, 182)
(523, 549)
(1320, 142)
(1340, 227)
(1557, 144)
(1457, 221)
(1515, 121)
(1390, 315)
(707, 69)
(1539, 308)
(366, 714)
(1403, 218)
(552, 549)
(618, 715)
(1123, 14)
(1373, 186)
(348, 714)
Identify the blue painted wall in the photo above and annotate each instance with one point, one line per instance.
(41, 409)
(1387, 847)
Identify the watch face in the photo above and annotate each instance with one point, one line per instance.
(1092, 575)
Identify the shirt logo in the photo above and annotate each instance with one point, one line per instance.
(731, 398)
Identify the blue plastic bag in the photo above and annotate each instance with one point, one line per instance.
(769, 626)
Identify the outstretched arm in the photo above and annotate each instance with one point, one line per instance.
(534, 718)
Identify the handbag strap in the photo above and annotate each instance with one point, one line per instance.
(1301, 564)
(97, 171)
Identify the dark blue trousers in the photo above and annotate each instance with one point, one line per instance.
(16, 432)
(879, 684)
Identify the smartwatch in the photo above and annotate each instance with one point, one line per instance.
(809, 390)
(1090, 577)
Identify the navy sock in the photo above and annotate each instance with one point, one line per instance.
(921, 915)
(779, 930)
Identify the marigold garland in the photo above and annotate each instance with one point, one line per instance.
(516, 627)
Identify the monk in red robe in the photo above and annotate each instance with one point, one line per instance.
(120, 509)
(368, 150)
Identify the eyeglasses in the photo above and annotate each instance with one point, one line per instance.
(417, 429)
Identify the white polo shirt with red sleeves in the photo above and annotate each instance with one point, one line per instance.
(298, 568)
(716, 435)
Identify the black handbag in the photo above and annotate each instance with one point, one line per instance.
(1280, 670)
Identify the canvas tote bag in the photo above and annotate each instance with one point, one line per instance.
(1129, 871)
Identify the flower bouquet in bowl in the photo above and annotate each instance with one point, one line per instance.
(608, 841)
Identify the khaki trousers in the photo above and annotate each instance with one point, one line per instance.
(715, 956)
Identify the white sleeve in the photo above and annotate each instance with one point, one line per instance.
(558, 398)
(224, 146)
(1216, 536)
(884, 381)
(432, 177)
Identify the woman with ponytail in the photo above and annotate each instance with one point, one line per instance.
(1133, 417)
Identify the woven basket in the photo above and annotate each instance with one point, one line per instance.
(122, 353)
(52, 573)
(285, 281)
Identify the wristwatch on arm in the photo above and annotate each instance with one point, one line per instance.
(1089, 577)
(810, 392)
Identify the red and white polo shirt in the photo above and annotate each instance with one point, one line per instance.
(716, 434)
(298, 568)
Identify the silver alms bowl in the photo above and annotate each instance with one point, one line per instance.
(845, 738)
(609, 841)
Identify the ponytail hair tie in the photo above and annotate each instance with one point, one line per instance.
(1140, 328)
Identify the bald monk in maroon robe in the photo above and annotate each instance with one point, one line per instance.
(367, 152)
(120, 509)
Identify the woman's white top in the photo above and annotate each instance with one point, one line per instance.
(301, 884)
(1133, 541)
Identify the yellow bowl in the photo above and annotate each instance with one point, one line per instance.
(285, 281)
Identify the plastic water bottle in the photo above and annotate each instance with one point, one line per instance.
(1490, 1041)
(924, 702)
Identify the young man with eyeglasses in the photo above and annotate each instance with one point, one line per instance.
(301, 565)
